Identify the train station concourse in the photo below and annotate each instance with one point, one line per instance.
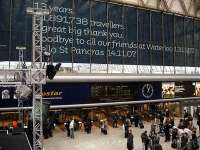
(96, 140)
(99, 74)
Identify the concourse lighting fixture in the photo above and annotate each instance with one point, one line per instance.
(52, 70)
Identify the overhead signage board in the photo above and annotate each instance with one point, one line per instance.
(85, 31)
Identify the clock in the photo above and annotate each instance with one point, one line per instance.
(147, 90)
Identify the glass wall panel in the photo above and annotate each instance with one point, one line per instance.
(116, 34)
(98, 24)
(130, 21)
(168, 29)
(81, 36)
(189, 42)
(5, 10)
(179, 46)
(156, 46)
(57, 35)
(4, 45)
(18, 29)
(143, 37)
(197, 42)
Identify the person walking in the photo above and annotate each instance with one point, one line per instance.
(198, 123)
(145, 140)
(194, 140)
(174, 137)
(71, 127)
(67, 123)
(166, 130)
(184, 141)
(157, 146)
(130, 145)
(104, 128)
(115, 118)
(126, 129)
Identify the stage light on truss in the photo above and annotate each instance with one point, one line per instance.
(52, 70)
(23, 91)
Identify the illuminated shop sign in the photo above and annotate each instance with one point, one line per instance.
(197, 88)
(168, 90)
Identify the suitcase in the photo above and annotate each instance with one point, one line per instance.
(126, 133)
(141, 125)
(104, 131)
(174, 144)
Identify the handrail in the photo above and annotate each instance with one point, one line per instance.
(111, 103)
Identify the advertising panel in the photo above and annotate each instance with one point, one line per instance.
(8, 98)
(184, 89)
(65, 94)
(168, 90)
(84, 31)
(197, 88)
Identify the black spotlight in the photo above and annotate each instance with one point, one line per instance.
(57, 67)
(51, 70)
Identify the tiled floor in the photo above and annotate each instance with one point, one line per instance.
(96, 141)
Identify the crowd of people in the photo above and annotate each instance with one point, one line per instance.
(72, 125)
(181, 136)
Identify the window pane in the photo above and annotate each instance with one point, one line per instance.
(143, 36)
(156, 38)
(179, 42)
(130, 20)
(168, 29)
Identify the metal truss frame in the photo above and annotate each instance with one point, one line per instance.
(35, 76)
(23, 75)
(38, 76)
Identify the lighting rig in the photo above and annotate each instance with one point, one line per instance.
(30, 80)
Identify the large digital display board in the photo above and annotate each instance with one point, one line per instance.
(184, 89)
(90, 93)
(87, 93)
(85, 31)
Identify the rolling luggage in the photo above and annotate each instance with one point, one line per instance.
(174, 143)
(104, 131)
(141, 124)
